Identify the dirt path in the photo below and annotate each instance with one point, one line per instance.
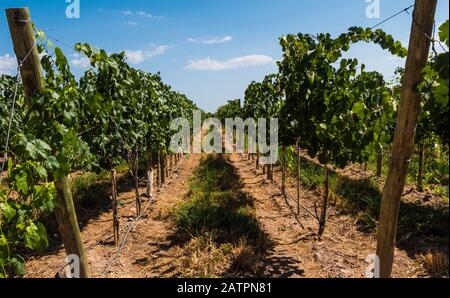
(297, 251)
(154, 248)
(149, 251)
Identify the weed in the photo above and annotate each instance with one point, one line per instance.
(434, 263)
(219, 219)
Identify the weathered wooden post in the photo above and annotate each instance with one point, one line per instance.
(136, 183)
(24, 42)
(419, 47)
(114, 204)
(158, 168)
(149, 173)
(283, 171)
(379, 163)
(299, 161)
(323, 214)
(421, 166)
(162, 168)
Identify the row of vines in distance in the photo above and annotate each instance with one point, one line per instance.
(112, 114)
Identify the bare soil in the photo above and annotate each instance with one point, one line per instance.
(298, 251)
(154, 249)
(146, 253)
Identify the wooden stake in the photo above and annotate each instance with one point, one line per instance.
(149, 174)
(419, 47)
(22, 35)
(166, 165)
(23, 39)
(68, 225)
(114, 204)
(421, 167)
(136, 184)
(379, 163)
(162, 168)
(283, 171)
(257, 157)
(323, 215)
(299, 177)
(158, 169)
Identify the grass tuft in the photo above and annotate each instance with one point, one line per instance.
(218, 211)
(434, 263)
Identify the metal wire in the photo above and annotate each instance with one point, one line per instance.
(11, 116)
(432, 39)
(22, 61)
(131, 225)
(393, 16)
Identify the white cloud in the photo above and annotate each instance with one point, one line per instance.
(238, 62)
(135, 57)
(211, 40)
(131, 23)
(80, 61)
(7, 64)
(144, 14)
(139, 56)
(140, 13)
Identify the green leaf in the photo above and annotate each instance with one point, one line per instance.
(18, 263)
(22, 183)
(443, 33)
(3, 241)
(7, 211)
(42, 172)
(358, 109)
(36, 237)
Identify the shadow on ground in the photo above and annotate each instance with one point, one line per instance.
(218, 218)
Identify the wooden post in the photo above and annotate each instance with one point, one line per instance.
(166, 164)
(114, 204)
(162, 168)
(283, 171)
(23, 39)
(379, 163)
(68, 225)
(323, 215)
(419, 47)
(136, 183)
(149, 174)
(257, 157)
(298, 177)
(421, 166)
(158, 168)
(22, 35)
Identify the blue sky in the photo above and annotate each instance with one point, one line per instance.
(208, 49)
